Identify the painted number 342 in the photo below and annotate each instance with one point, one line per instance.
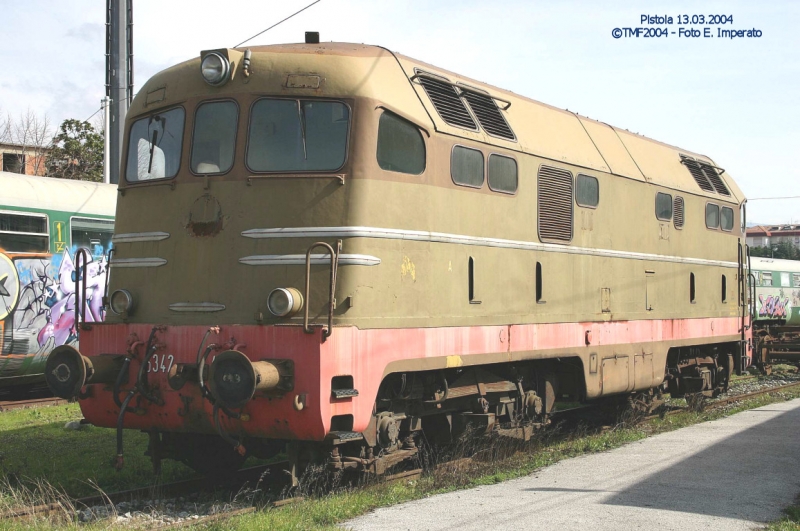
(160, 363)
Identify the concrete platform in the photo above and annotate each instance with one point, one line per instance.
(734, 473)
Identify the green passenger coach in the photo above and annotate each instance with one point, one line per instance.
(43, 222)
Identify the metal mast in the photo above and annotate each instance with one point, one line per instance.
(119, 76)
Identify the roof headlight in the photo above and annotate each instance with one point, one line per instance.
(215, 69)
(121, 302)
(284, 302)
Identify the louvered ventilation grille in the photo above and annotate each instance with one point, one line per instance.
(555, 204)
(489, 116)
(447, 103)
(697, 173)
(715, 179)
(677, 212)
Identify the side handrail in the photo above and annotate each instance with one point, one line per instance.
(81, 261)
(334, 254)
(106, 302)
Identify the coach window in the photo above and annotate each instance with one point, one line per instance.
(466, 166)
(24, 233)
(785, 280)
(400, 145)
(214, 137)
(297, 135)
(726, 218)
(92, 234)
(587, 191)
(503, 174)
(154, 148)
(796, 280)
(712, 216)
(663, 206)
(766, 278)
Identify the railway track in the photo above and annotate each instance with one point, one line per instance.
(254, 475)
(8, 405)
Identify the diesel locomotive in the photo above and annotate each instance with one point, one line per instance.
(337, 250)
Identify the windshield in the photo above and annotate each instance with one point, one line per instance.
(297, 135)
(214, 137)
(154, 148)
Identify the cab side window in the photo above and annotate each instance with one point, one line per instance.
(400, 145)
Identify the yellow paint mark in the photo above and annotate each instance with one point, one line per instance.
(450, 266)
(407, 268)
(454, 361)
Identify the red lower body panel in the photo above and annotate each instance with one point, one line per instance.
(367, 355)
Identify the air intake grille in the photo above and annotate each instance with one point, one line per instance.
(699, 177)
(715, 179)
(447, 103)
(489, 116)
(677, 212)
(555, 204)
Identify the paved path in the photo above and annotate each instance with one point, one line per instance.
(733, 473)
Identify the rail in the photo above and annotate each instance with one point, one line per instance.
(334, 254)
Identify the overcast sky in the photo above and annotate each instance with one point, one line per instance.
(733, 100)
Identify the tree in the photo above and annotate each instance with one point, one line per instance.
(77, 152)
(30, 134)
(783, 249)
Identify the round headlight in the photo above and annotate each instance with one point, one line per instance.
(215, 69)
(283, 302)
(121, 301)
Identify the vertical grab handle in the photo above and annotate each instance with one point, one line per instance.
(106, 302)
(334, 254)
(81, 261)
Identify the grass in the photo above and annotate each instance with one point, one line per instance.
(35, 446)
(42, 461)
(790, 521)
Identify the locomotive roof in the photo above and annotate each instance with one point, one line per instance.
(66, 195)
(372, 71)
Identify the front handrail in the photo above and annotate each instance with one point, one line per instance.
(106, 302)
(81, 261)
(334, 254)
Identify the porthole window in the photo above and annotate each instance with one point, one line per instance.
(712, 216)
(466, 166)
(502, 174)
(663, 206)
(400, 145)
(726, 218)
(587, 191)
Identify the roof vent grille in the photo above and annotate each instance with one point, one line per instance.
(488, 114)
(715, 179)
(699, 177)
(447, 102)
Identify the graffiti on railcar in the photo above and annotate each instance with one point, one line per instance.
(774, 306)
(39, 307)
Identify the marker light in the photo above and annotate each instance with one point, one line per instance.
(283, 302)
(215, 69)
(121, 301)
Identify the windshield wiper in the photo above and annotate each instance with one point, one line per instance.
(152, 149)
(301, 113)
